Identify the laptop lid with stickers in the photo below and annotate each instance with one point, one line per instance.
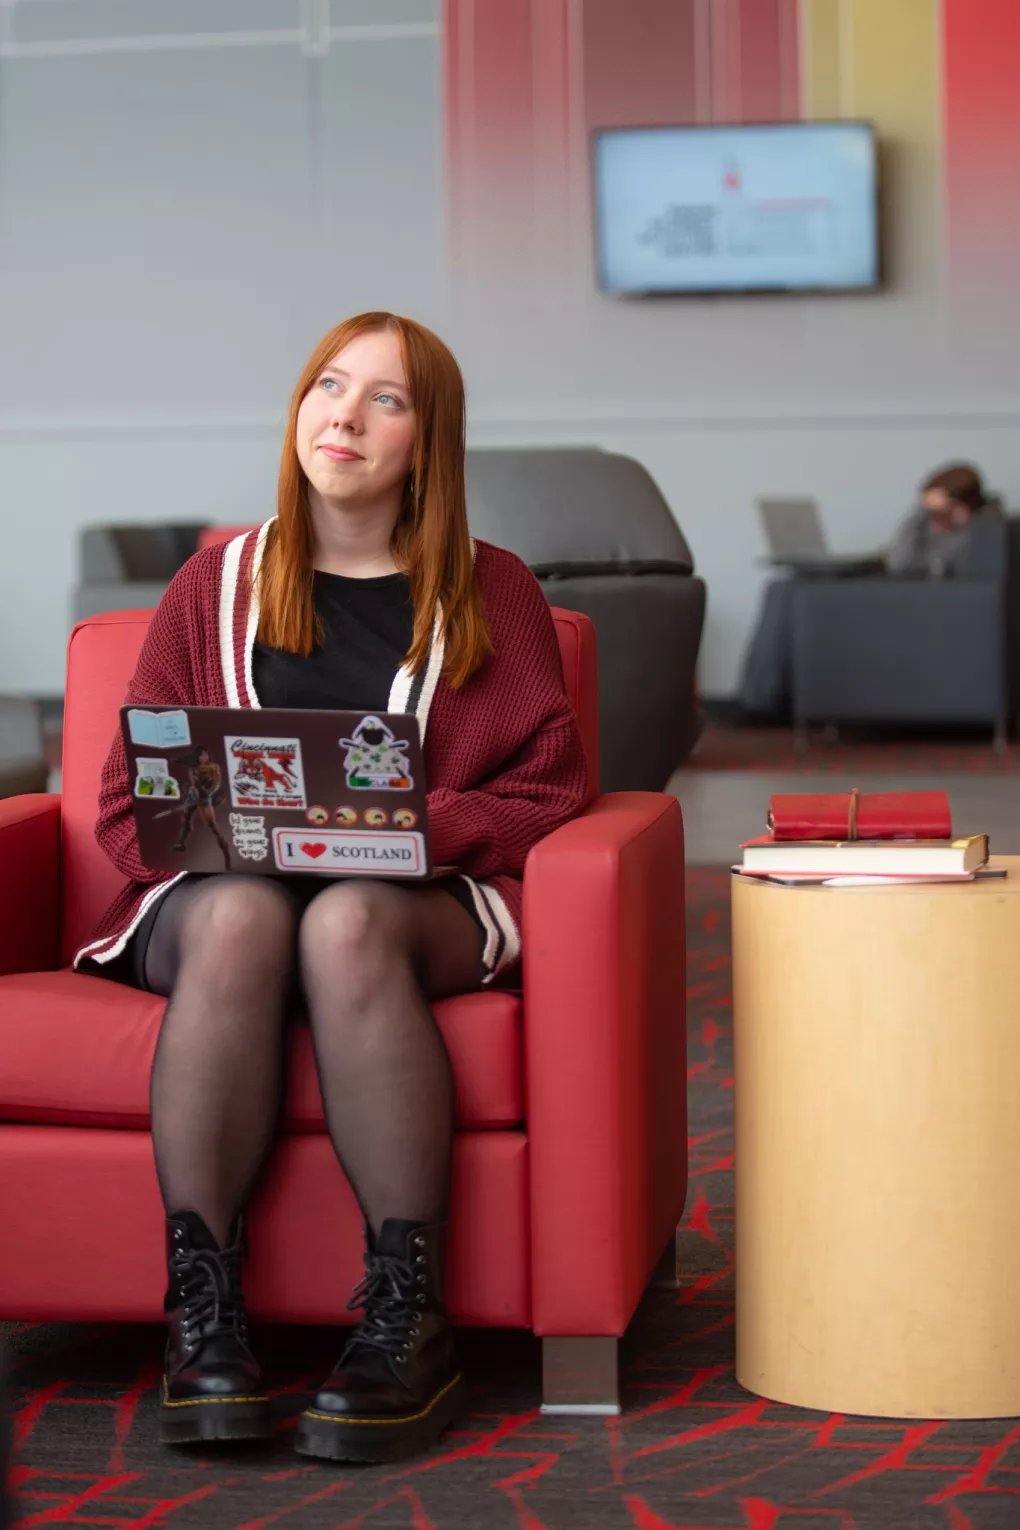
(278, 790)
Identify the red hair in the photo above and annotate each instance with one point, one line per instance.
(431, 538)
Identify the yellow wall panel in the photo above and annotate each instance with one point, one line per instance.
(892, 72)
(881, 60)
(819, 58)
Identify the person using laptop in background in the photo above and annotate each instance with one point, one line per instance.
(937, 537)
(951, 531)
(366, 576)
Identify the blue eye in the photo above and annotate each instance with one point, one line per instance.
(389, 397)
(328, 382)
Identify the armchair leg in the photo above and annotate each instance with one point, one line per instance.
(580, 1375)
(666, 1275)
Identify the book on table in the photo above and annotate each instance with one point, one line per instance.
(860, 815)
(863, 857)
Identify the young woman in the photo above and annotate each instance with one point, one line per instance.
(953, 511)
(364, 592)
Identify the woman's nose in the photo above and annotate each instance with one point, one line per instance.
(347, 416)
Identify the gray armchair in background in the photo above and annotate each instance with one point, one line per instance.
(128, 567)
(907, 650)
(601, 539)
(22, 750)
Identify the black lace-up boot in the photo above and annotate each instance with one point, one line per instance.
(212, 1386)
(396, 1386)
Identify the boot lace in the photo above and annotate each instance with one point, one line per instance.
(210, 1283)
(392, 1297)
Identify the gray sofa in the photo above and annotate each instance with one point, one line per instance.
(123, 568)
(22, 752)
(908, 650)
(601, 539)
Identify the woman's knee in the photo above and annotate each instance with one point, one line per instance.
(354, 928)
(239, 923)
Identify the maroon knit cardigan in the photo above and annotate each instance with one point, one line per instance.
(503, 755)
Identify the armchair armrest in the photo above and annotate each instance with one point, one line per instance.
(29, 883)
(605, 1058)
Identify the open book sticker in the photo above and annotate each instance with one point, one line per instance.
(265, 772)
(375, 759)
(164, 730)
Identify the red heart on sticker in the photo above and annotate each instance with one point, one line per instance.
(313, 850)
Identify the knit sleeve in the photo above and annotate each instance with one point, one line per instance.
(162, 677)
(541, 780)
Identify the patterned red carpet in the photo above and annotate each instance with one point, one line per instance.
(726, 747)
(693, 1451)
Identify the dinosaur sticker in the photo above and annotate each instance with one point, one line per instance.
(265, 772)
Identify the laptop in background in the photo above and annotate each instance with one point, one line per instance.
(278, 790)
(796, 539)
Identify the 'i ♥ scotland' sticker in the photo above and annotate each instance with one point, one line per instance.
(349, 853)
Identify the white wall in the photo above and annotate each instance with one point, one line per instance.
(188, 198)
(191, 194)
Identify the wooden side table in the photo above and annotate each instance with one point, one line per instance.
(877, 1096)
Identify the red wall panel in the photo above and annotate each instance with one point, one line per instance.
(639, 62)
(767, 55)
(981, 63)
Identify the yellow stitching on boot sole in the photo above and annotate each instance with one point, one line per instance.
(195, 1402)
(405, 1418)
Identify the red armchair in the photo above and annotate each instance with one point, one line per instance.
(570, 1163)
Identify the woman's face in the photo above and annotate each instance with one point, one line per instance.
(943, 512)
(356, 426)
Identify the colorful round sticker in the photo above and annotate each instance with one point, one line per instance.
(346, 816)
(317, 815)
(375, 817)
(405, 818)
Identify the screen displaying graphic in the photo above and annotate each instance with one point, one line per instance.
(786, 207)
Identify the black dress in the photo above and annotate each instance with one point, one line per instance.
(367, 628)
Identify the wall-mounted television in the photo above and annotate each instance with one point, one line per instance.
(779, 207)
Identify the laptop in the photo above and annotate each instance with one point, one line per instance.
(796, 538)
(278, 790)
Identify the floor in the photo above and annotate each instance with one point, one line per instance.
(725, 745)
(692, 1451)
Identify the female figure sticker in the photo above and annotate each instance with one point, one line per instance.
(375, 759)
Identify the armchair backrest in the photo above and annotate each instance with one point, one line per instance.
(572, 511)
(212, 536)
(135, 554)
(564, 511)
(986, 553)
(101, 658)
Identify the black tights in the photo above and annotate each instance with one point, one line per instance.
(230, 951)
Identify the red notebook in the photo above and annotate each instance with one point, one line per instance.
(861, 815)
